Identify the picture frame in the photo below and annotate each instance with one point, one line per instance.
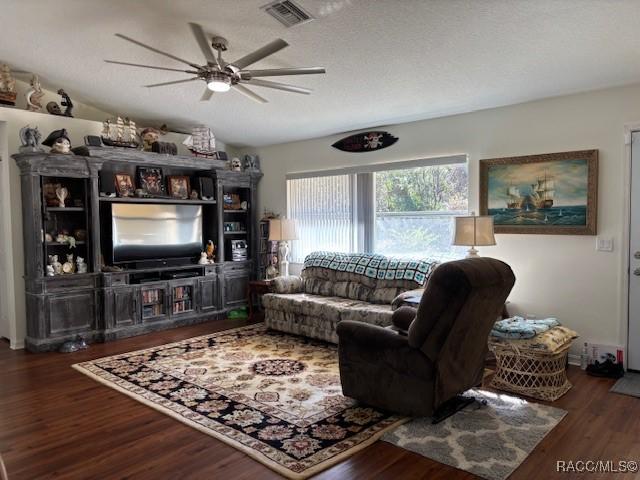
(547, 194)
(150, 180)
(124, 184)
(178, 186)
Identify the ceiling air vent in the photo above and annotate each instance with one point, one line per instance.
(287, 13)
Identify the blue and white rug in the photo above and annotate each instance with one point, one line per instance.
(489, 441)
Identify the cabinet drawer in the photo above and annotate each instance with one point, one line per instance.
(68, 282)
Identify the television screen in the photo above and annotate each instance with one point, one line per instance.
(155, 231)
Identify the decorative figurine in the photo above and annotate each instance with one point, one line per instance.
(61, 194)
(48, 237)
(149, 135)
(81, 267)
(194, 195)
(80, 234)
(7, 86)
(252, 163)
(30, 138)
(34, 95)
(55, 264)
(73, 345)
(54, 109)
(236, 164)
(211, 250)
(203, 260)
(50, 272)
(69, 266)
(59, 142)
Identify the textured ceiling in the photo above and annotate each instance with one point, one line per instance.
(387, 61)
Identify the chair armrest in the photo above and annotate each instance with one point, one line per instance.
(289, 284)
(402, 318)
(370, 336)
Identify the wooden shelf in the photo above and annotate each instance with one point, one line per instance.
(66, 244)
(156, 200)
(237, 232)
(65, 209)
(235, 211)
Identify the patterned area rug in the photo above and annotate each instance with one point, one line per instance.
(274, 396)
(489, 441)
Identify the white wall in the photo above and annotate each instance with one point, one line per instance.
(556, 275)
(12, 298)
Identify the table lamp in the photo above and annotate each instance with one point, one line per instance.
(282, 230)
(474, 231)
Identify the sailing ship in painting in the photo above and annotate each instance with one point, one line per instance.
(201, 142)
(120, 133)
(542, 193)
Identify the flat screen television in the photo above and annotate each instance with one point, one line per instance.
(155, 231)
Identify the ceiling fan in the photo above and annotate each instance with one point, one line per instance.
(219, 75)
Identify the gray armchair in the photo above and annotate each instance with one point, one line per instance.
(443, 351)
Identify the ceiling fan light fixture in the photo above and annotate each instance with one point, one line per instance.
(217, 82)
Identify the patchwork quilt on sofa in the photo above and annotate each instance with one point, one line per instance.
(336, 286)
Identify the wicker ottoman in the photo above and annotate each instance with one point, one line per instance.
(526, 368)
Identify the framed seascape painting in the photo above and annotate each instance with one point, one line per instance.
(554, 193)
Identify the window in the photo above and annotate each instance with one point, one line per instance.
(401, 209)
(323, 210)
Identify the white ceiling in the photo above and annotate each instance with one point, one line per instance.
(387, 61)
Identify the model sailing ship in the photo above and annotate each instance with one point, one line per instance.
(7, 86)
(120, 133)
(542, 193)
(201, 142)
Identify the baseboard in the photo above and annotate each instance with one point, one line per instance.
(574, 359)
(17, 345)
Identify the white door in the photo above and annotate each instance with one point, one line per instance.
(633, 347)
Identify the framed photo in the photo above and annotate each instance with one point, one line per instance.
(150, 180)
(552, 194)
(124, 184)
(178, 186)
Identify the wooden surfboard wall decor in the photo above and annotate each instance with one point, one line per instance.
(365, 142)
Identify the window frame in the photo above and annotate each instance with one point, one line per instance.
(363, 185)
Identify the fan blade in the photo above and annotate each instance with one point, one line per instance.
(274, 72)
(206, 95)
(278, 86)
(172, 83)
(248, 93)
(203, 43)
(143, 45)
(150, 66)
(268, 49)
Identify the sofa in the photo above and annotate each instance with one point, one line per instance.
(334, 287)
(442, 345)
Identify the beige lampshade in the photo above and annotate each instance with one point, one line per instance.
(282, 229)
(474, 231)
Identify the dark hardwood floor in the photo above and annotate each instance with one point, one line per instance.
(56, 422)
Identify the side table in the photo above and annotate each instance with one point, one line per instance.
(256, 289)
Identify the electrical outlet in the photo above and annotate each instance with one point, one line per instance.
(604, 244)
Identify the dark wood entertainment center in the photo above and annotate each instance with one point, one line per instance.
(102, 304)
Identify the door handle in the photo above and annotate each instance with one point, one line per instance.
(636, 272)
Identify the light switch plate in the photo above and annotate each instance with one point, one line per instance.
(604, 244)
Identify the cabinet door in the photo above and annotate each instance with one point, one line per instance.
(154, 301)
(209, 294)
(71, 312)
(183, 297)
(125, 311)
(235, 286)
